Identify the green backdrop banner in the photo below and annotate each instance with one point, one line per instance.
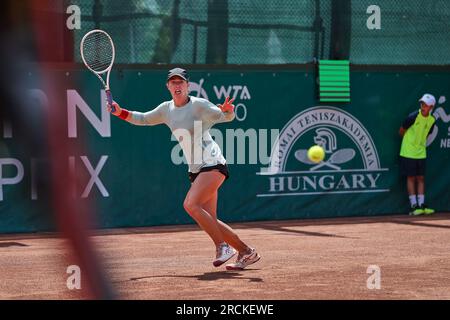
(135, 175)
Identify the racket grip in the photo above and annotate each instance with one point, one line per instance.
(110, 100)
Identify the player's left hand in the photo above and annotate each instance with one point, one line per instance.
(227, 106)
(117, 108)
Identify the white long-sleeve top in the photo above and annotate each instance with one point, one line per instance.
(190, 124)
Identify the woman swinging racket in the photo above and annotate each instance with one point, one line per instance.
(186, 114)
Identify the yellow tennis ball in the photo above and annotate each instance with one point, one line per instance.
(316, 154)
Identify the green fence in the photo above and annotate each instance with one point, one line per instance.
(138, 184)
(387, 32)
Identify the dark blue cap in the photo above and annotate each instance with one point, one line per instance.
(178, 72)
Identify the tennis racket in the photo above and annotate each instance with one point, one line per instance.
(97, 52)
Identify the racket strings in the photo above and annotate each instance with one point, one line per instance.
(98, 51)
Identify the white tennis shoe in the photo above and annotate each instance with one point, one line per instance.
(223, 253)
(244, 260)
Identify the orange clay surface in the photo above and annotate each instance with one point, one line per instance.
(301, 259)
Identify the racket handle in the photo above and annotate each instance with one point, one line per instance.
(110, 100)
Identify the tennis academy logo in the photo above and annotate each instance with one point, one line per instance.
(351, 163)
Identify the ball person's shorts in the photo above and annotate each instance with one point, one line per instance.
(412, 167)
(222, 168)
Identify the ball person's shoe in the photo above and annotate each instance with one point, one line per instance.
(416, 211)
(426, 210)
(223, 253)
(244, 260)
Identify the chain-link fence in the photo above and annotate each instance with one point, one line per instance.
(412, 32)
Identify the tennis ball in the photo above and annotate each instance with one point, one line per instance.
(316, 154)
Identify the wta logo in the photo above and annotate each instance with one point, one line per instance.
(235, 91)
(198, 89)
(239, 92)
(351, 163)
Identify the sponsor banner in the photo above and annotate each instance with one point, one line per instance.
(137, 176)
(351, 163)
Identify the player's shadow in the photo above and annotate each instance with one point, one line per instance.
(12, 244)
(208, 276)
(422, 224)
(212, 276)
(301, 232)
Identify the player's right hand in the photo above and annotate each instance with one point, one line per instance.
(117, 108)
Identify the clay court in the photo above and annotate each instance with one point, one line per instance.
(307, 259)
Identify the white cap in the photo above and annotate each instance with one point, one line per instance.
(428, 99)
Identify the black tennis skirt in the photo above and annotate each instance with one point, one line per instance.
(222, 168)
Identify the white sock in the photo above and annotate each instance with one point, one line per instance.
(421, 198)
(413, 200)
(223, 244)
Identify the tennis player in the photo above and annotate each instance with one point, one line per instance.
(184, 115)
